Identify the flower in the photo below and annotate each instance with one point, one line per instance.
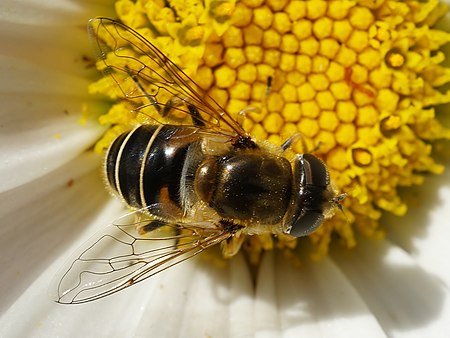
(51, 199)
(358, 80)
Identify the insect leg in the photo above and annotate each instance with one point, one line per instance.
(195, 115)
(193, 111)
(157, 224)
(135, 79)
(252, 109)
(151, 226)
(231, 246)
(297, 136)
(170, 105)
(243, 113)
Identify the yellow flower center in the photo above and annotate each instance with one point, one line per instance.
(358, 79)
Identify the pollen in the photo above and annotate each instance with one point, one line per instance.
(357, 80)
(394, 59)
(224, 76)
(273, 123)
(234, 57)
(291, 112)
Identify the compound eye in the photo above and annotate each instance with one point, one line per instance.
(308, 221)
(315, 171)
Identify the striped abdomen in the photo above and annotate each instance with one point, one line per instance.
(144, 166)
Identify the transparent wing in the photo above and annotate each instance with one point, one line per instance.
(129, 251)
(152, 82)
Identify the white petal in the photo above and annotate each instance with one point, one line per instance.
(52, 12)
(189, 300)
(34, 145)
(51, 50)
(406, 300)
(198, 298)
(167, 303)
(313, 300)
(43, 87)
(241, 323)
(267, 322)
(114, 316)
(425, 230)
(329, 301)
(38, 220)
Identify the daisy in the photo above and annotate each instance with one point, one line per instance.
(52, 199)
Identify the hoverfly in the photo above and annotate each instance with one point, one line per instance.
(194, 183)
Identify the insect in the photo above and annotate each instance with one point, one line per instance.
(194, 182)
